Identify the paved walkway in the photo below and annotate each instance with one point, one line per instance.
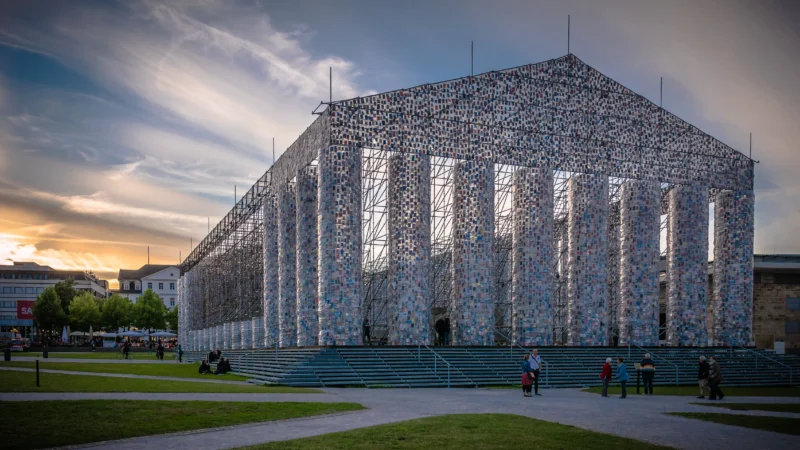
(637, 417)
(210, 378)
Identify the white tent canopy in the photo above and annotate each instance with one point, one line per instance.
(132, 333)
(163, 334)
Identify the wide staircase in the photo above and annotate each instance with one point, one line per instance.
(423, 366)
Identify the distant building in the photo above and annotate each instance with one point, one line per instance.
(162, 279)
(22, 282)
(776, 301)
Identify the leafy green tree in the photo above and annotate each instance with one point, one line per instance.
(149, 310)
(84, 312)
(171, 317)
(66, 292)
(47, 310)
(116, 312)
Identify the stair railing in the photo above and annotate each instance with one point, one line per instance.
(435, 359)
(661, 358)
(758, 355)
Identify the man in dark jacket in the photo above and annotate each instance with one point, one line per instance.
(648, 373)
(204, 367)
(439, 327)
(714, 379)
(702, 377)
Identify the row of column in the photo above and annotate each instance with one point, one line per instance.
(312, 259)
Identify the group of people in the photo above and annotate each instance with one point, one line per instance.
(531, 366)
(709, 377)
(223, 364)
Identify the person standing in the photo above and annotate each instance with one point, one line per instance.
(605, 375)
(714, 379)
(367, 337)
(536, 365)
(126, 348)
(447, 331)
(439, 327)
(648, 373)
(702, 377)
(622, 376)
(180, 353)
(526, 376)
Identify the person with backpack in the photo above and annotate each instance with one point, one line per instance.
(527, 376)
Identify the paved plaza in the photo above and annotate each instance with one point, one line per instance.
(637, 417)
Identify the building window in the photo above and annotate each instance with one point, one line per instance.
(787, 278)
(792, 327)
(793, 303)
(172, 286)
(149, 285)
(8, 290)
(30, 290)
(172, 302)
(132, 286)
(160, 286)
(18, 290)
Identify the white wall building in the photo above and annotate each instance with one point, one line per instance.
(162, 279)
(22, 282)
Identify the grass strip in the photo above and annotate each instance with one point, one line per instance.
(159, 370)
(695, 391)
(775, 407)
(460, 431)
(785, 425)
(68, 422)
(12, 381)
(93, 355)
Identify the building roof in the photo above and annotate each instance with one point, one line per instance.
(141, 272)
(27, 267)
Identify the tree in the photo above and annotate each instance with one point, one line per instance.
(84, 312)
(48, 311)
(171, 318)
(148, 312)
(116, 312)
(66, 292)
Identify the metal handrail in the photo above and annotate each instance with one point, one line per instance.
(652, 353)
(511, 345)
(437, 357)
(791, 370)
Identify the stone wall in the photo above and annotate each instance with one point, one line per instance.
(770, 315)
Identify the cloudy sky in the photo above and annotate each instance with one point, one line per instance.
(126, 124)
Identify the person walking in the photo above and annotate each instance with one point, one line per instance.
(527, 376)
(622, 376)
(702, 378)
(536, 365)
(126, 348)
(605, 375)
(648, 373)
(714, 379)
(180, 353)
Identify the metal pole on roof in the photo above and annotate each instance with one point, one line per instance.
(148, 254)
(568, 32)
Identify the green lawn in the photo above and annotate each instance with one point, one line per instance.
(92, 355)
(50, 424)
(777, 407)
(464, 431)
(161, 370)
(784, 425)
(695, 391)
(11, 381)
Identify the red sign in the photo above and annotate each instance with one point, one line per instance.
(25, 309)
